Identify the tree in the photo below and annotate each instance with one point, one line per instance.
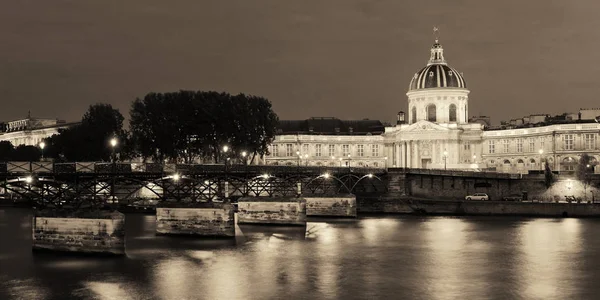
(6, 150)
(89, 140)
(26, 153)
(548, 176)
(194, 124)
(584, 172)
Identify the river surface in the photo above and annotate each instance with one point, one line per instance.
(375, 257)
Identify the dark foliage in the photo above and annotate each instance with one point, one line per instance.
(89, 141)
(548, 176)
(189, 124)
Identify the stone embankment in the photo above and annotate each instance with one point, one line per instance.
(412, 205)
(100, 232)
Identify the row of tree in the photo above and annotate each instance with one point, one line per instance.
(178, 126)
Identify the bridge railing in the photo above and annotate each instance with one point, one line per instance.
(19, 167)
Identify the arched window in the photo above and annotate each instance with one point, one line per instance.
(452, 113)
(413, 115)
(507, 162)
(431, 113)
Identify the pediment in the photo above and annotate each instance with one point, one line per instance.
(425, 126)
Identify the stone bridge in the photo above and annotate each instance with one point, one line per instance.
(97, 183)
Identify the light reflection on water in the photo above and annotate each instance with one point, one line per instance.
(387, 257)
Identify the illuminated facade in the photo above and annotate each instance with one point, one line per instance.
(438, 134)
(30, 131)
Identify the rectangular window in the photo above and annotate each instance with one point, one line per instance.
(275, 150)
(531, 145)
(492, 147)
(289, 150)
(345, 150)
(331, 150)
(318, 150)
(569, 142)
(519, 145)
(361, 150)
(375, 150)
(467, 145)
(305, 149)
(505, 144)
(590, 141)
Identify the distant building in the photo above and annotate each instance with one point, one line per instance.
(437, 134)
(31, 131)
(328, 142)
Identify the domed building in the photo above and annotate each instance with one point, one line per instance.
(437, 134)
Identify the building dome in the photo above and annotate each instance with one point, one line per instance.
(437, 73)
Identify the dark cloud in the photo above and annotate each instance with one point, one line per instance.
(344, 58)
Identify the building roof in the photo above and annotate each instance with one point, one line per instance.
(330, 126)
(437, 73)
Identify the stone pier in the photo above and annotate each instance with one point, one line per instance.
(272, 210)
(100, 232)
(202, 219)
(337, 206)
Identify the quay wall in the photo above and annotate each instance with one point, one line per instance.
(339, 206)
(408, 205)
(448, 186)
(203, 219)
(100, 232)
(275, 210)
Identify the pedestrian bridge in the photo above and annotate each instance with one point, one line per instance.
(99, 183)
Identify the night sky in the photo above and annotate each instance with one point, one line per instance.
(345, 58)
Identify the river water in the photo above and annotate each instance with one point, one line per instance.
(374, 257)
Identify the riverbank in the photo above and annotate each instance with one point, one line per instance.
(423, 206)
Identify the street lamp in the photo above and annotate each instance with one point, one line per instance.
(306, 159)
(244, 153)
(113, 145)
(340, 161)
(349, 161)
(445, 159)
(299, 157)
(42, 146)
(474, 158)
(385, 162)
(541, 152)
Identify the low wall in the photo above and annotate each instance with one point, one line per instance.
(99, 232)
(204, 219)
(340, 206)
(459, 207)
(276, 210)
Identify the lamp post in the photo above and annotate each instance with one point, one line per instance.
(340, 162)
(306, 159)
(541, 165)
(42, 146)
(445, 159)
(113, 145)
(244, 154)
(299, 156)
(385, 162)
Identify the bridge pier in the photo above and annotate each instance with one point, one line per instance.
(336, 206)
(272, 210)
(98, 232)
(202, 219)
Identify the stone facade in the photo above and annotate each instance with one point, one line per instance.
(341, 206)
(81, 232)
(31, 131)
(203, 219)
(438, 135)
(275, 211)
(488, 208)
